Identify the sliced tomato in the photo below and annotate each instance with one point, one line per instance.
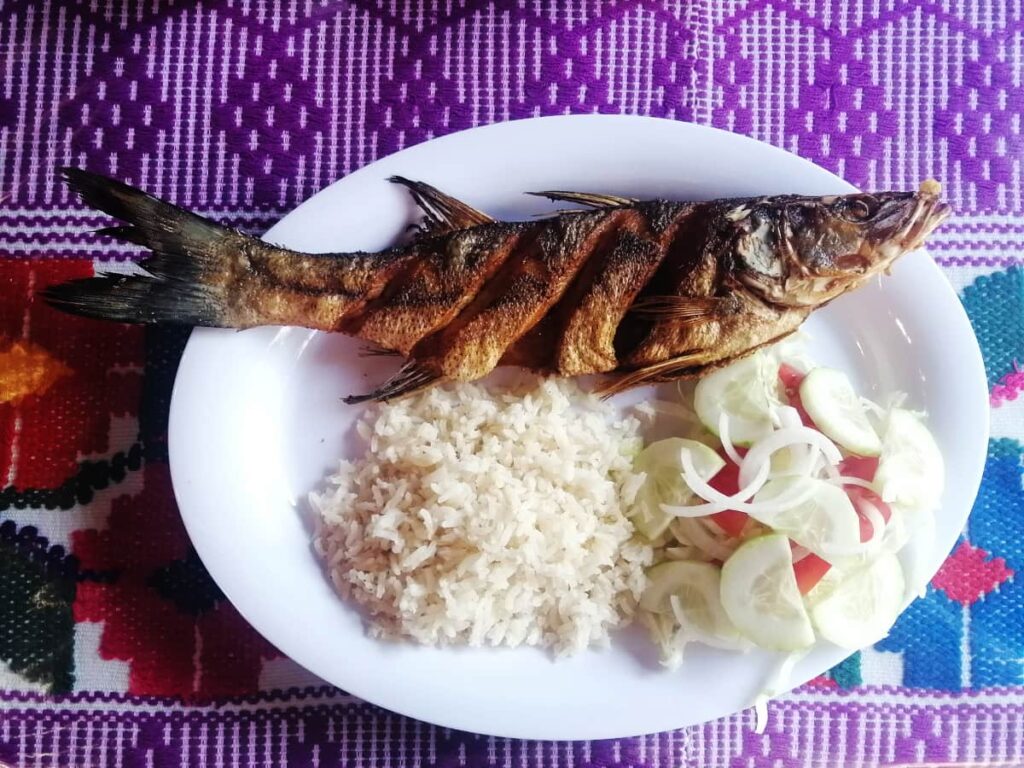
(863, 467)
(809, 570)
(861, 496)
(727, 481)
(791, 379)
(731, 522)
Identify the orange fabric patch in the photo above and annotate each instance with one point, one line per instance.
(27, 369)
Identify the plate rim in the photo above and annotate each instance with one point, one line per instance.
(176, 419)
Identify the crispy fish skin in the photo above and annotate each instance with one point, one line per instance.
(595, 311)
(644, 291)
(519, 297)
(437, 288)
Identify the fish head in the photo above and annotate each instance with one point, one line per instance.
(804, 251)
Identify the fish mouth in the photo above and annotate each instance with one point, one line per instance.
(929, 212)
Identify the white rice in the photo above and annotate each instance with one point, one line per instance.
(488, 518)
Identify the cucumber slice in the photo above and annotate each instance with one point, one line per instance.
(662, 463)
(862, 608)
(830, 401)
(824, 588)
(745, 391)
(690, 593)
(666, 456)
(826, 522)
(911, 472)
(647, 516)
(760, 596)
(695, 584)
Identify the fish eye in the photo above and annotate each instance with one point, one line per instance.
(856, 209)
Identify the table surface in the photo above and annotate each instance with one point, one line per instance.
(115, 646)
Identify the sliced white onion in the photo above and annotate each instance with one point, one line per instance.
(874, 516)
(816, 462)
(703, 489)
(796, 496)
(813, 467)
(716, 529)
(665, 636)
(776, 684)
(699, 536)
(717, 501)
(835, 555)
(760, 714)
(757, 510)
(692, 511)
(687, 552)
(676, 530)
(874, 542)
(821, 465)
(789, 416)
(805, 458)
(780, 681)
(723, 435)
(761, 451)
(859, 482)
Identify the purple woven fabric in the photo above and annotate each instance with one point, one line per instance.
(242, 109)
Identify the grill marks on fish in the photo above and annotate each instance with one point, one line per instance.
(548, 295)
(596, 302)
(686, 271)
(465, 295)
(519, 296)
(647, 291)
(607, 287)
(436, 287)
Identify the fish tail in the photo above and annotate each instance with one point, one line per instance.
(188, 252)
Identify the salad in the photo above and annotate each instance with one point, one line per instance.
(778, 512)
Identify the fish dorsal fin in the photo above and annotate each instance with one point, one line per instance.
(588, 199)
(686, 308)
(442, 213)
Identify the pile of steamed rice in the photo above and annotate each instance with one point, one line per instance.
(488, 518)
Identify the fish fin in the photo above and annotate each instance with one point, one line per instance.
(372, 350)
(588, 199)
(651, 373)
(442, 213)
(126, 234)
(411, 377)
(185, 247)
(136, 299)
(557, 212)
(159, 226)
(686, 308)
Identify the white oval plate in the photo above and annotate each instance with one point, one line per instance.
(257, 419)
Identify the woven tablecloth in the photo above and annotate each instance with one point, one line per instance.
(116, 649)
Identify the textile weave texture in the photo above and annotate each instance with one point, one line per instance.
(117, 649)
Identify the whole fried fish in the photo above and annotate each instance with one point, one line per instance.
(645, 291)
